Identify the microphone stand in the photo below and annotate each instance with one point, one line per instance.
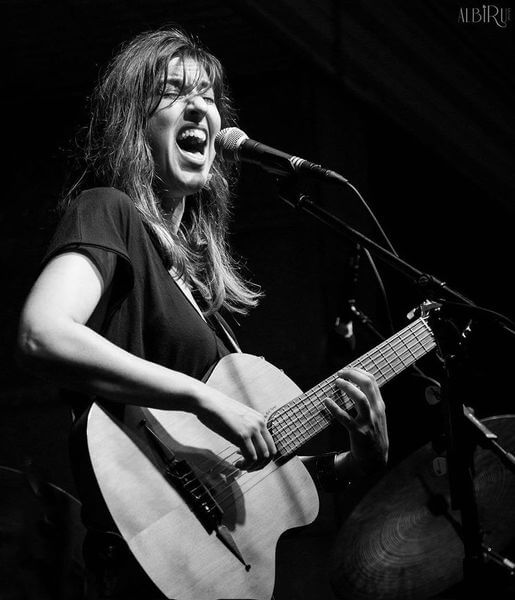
(460, 442)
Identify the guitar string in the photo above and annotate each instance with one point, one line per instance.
(314, 429)
(325, 388)
(372, 365)
(223, 490)
(226, 493)
(368, 362)
(312, 409)
(329, 387)
(320, 392)
(289, 445)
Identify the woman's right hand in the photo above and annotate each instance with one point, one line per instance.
(240, 425)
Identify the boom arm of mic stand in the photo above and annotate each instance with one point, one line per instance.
(432, 288)
(290, 193)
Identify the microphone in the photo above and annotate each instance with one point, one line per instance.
(234, 145)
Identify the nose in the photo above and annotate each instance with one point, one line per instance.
(196, 107)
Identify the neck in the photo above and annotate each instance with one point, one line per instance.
(172, 210)
(299, 420)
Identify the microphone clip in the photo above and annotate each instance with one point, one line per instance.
(290, 191)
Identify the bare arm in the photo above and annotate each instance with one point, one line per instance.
(55, 343)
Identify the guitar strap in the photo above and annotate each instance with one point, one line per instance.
(225, 332)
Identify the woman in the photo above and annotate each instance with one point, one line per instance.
(126, 307)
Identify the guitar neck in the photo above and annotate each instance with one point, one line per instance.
(298, 421)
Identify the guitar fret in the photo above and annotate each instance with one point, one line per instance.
(292, 429)
(385, 361)
(313, 426)
(400, 338)
(423, 348)
(401, 358)
(408, 348)
(318, 420)
(375, 366)
(385, 357)
(367, 365)
(416, 350)
(302, 418)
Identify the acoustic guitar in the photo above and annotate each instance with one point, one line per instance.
(201, 528)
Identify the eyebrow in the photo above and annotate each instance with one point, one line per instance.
(179, 82)
(175, 80)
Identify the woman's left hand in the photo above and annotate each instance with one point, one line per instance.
(367, 427)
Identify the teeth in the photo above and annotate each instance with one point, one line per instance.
(198, 134)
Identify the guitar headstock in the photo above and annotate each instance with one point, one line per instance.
(424, 309)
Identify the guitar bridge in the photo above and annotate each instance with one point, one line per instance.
(184, 480)
(196, 495)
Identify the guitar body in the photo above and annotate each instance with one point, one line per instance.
(184, 559)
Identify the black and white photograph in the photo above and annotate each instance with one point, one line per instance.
(257, 300)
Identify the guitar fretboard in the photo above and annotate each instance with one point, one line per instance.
(299, 420)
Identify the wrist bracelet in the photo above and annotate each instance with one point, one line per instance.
(327, 475)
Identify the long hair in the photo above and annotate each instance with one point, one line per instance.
(117, 153)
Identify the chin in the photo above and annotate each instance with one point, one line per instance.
(195, 183)
(186, 185)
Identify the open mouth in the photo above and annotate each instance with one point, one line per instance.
(193, 141)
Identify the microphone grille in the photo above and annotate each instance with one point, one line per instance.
(227, 142)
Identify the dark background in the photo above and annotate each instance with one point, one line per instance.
(414, 107)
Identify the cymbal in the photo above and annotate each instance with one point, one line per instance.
(402, 540)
